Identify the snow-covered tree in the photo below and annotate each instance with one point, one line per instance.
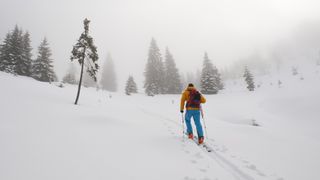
(15, 53)
(42, 68)
(26, 63)
(7, 63)
(86, 53)
(131, 86)
(70, 77)
(172, 77)
(154, 71)
(108, 79)
(11, 53)
(249, 79)
(209, 77)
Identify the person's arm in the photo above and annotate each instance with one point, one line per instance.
(203, 100)
(183, 99)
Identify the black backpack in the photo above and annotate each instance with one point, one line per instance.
(194, 99)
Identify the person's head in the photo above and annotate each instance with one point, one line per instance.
(190, 85)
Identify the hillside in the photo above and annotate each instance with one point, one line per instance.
(43, 135)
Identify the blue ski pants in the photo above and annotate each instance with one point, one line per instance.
(195, 114)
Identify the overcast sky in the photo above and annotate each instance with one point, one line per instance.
(226, 29)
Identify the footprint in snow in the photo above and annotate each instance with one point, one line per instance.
(193, 161)
(198, 155)
(203, 170)
(207, 178)
(189, 178)
(252, 167)
(245, 161)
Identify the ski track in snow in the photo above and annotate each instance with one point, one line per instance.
(226, 164)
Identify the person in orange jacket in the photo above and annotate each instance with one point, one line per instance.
(192, 99)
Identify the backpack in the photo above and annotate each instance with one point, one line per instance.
(194, 99)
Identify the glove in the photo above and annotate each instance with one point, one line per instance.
(181, 111)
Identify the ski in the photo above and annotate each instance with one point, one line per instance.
(203, 145)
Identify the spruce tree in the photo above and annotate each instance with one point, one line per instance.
(108, 79)
(208, 77)
(70, 77)
(17, 51)
(249, 79)
(172, 77)
(26, 62)
(86, 53)
(6, 62)
(154, 71)
(42, 68)
(131, 86)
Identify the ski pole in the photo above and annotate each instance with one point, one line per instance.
(182, 126)
(204, 122)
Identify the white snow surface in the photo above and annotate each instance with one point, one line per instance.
(44, 136)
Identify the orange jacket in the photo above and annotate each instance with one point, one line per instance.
(185, 97)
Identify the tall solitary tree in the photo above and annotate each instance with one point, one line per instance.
(108, 79)
(209, 84)
(172, 78)
(131, 86)
(86, 53)
(154, 71)
(249, 79)
(42, 68)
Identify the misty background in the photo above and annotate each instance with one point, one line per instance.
(269, 32)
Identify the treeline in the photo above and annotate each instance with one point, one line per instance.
(162, 77)
(16, 56)
(161, 74)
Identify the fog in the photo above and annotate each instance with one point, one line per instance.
(228, 30)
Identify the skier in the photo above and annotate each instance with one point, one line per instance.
(193, 99)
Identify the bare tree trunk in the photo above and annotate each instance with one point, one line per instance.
(80, 82)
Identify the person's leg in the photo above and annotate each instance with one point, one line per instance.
(196, 118)
(188, 122)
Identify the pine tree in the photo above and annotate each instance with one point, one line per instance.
(249, 79)
(154, 71)
(131, 86)
(86, 53)
(17, 51)
(11, 54)
(208, 82)
(172, 77)
(26, 62)
(70, 77)
(6, 62)
(42, 69)
(108, 79)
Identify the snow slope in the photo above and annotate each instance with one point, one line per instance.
(43, 135)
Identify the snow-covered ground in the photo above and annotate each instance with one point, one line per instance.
(43, 135)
